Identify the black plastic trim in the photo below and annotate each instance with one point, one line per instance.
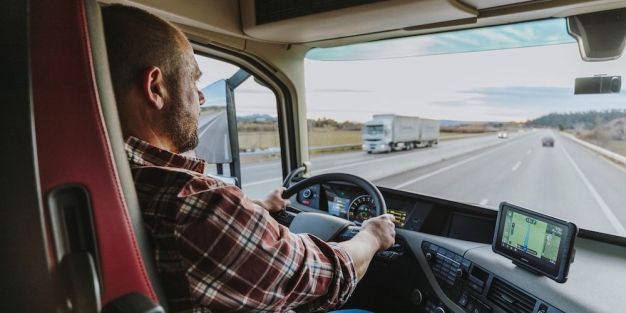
(24, 268)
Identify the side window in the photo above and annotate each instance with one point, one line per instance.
(238, 127)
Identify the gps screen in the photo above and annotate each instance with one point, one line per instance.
(531, 236)
(536, 242)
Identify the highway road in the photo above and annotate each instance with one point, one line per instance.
(567, 181)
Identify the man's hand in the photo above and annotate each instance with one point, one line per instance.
(383, 230)
(274, 202)
(376, 234)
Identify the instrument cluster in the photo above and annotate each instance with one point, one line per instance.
(352, 203)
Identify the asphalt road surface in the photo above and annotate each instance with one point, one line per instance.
(567, 181)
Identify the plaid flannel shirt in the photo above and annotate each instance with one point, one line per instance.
(217, 251)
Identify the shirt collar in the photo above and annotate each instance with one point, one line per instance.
(143, 153)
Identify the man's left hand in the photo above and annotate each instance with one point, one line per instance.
(274, 202)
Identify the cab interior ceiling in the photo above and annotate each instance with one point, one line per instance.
(327, 23)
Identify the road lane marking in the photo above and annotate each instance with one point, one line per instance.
(260, 182)
(516, 166)
(529, 151)
(324, 170)
(444, 169)
(484, 201)
(603, 206)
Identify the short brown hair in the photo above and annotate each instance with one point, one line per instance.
(135, 40)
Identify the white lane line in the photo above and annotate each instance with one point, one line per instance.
(262, 164)
(529, 151)
(260, 182)
(603, 206)
(443, 169)
(484, 201)
(516, 166)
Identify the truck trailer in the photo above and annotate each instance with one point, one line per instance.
(391, 132)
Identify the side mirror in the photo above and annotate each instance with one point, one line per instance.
(213, 133)
(217, 131)
(601, 36)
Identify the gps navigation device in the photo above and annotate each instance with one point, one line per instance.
(538, 243)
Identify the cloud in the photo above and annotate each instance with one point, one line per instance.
(521, 102)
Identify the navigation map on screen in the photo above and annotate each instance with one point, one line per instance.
(531, 236)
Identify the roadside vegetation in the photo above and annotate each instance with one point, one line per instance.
(606, 129)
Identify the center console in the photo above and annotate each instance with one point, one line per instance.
(473, 288)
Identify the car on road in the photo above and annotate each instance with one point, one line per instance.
(309, 74)
(547, 142)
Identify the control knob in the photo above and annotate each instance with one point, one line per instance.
(429, 256)
(416, 297)
(306, 193)
(439, 310)
(458, 272)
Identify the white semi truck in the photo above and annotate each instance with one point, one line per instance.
(391, 132)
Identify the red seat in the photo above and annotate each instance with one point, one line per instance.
(79, 138)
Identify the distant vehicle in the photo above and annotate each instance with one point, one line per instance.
(547, 142)
(391, 132)
(503, 135)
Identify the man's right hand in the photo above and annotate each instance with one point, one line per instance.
(376, 234)
(382, 229)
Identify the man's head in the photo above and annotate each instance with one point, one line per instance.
(154, 77)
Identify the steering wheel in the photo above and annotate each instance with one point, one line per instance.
(324, 226)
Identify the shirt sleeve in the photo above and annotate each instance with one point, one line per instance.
(240, 259)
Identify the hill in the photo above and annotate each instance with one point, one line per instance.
(577, 120)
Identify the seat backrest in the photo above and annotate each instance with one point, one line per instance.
(79, 139)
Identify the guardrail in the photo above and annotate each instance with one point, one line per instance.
(604, 152)
(349, 145)
(318, 148)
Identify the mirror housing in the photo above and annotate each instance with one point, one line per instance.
(601, 36)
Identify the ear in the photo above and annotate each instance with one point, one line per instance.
(154, 87)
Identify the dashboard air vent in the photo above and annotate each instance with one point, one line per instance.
(509, 298)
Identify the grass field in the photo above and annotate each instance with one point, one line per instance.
(261, 140)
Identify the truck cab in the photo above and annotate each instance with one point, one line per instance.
(291, 89)
(377, 136)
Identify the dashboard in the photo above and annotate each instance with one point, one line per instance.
(448, 265)
(412, 212)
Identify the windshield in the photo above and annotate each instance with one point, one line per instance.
(374, 129)
(477, 116)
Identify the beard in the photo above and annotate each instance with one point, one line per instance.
(181, 125)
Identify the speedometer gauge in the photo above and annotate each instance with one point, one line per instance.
(362, 208)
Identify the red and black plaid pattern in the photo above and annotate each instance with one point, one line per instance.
(217, 251)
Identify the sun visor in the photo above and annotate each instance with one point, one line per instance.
(294, 21)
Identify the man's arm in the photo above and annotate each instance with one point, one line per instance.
(241, 259)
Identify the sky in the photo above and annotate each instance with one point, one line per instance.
(443, 76)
